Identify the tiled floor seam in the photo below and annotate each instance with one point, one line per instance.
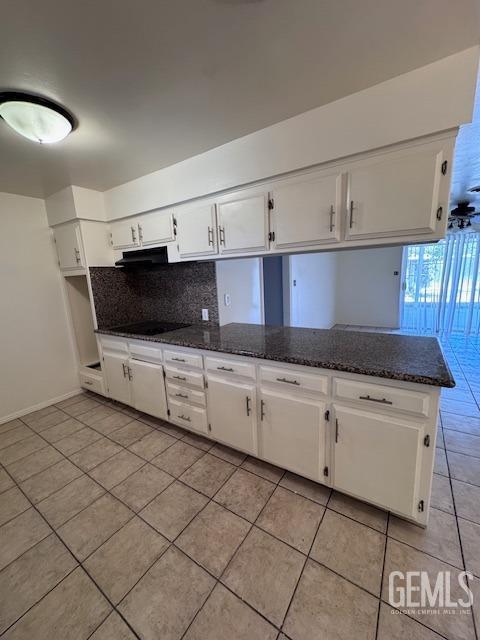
(79, 565)
(28, 454)
(100, 485)
(172, 543)
(459, 537)
(382, 576)
(29, 435)
(307, 558)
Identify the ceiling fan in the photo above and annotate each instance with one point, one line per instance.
(461, 216)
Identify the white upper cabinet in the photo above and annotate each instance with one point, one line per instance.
(307, 211)
(378, 458)
(69, 246)
(243, 223)
(399, 193)
(156, 228)
(125, 234)
(388, 196)
(292, 432)
(196, 231)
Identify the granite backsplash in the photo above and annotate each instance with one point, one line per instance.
(172, 293)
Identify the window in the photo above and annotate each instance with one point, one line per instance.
(441, 286)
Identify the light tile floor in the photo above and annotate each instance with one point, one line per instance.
(115, 526)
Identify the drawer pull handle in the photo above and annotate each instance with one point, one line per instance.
(179, 359)
(181, 395)
(187, 418)
(332, 214)
(288, 381)
(90, 384)
(226, 369)
(180, 378)
(381, 400)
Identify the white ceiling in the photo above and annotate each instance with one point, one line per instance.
(156, 81)
(466, 166)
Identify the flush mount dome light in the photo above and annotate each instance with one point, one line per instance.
(35, 118)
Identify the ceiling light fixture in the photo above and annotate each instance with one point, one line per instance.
(35, 118)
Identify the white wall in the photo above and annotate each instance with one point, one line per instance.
(242, 281)
(36, 352)
(390, 112)
(368, 292)
(312, 278)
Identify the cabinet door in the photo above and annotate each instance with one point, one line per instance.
(196, 231)
(116, 374)
(231, 413)
(243, 224)
(395, 195)
(377, 458)
(67, 240)
(307, 212)
(125, 234)
(292, 432)
(148, 388)
(156, 228)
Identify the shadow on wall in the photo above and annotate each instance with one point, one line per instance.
(173, 293)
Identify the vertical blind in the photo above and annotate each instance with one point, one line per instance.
(441, 286)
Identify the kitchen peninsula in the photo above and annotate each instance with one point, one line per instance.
(353, 410)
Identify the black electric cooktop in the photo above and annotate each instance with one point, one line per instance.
(150, 327)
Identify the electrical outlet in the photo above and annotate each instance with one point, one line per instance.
(227, 300)
(204, 314)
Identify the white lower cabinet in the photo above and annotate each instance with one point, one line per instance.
(378, 458)
(292, 432)
(232, 413)
(148, 388)
(115, 366)
(319, 425)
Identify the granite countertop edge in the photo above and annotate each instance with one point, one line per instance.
(446, 380)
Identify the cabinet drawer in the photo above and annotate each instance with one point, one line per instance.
(188, 416)
(383, 397)
(112, 344)
(183, 394)
(147, 354)
(182, 358)
(181, 377)
(92, 382)
(294, 379)
(221, 366)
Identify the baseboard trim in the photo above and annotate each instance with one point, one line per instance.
(40, 405)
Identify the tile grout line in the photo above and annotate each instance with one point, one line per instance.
(377, 628)
(460, 538)
(307, 558)
(79, 565)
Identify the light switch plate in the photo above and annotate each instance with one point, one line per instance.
(204, 314)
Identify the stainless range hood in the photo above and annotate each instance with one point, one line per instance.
(143, 258)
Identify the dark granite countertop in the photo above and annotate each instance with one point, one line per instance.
(396, 357)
